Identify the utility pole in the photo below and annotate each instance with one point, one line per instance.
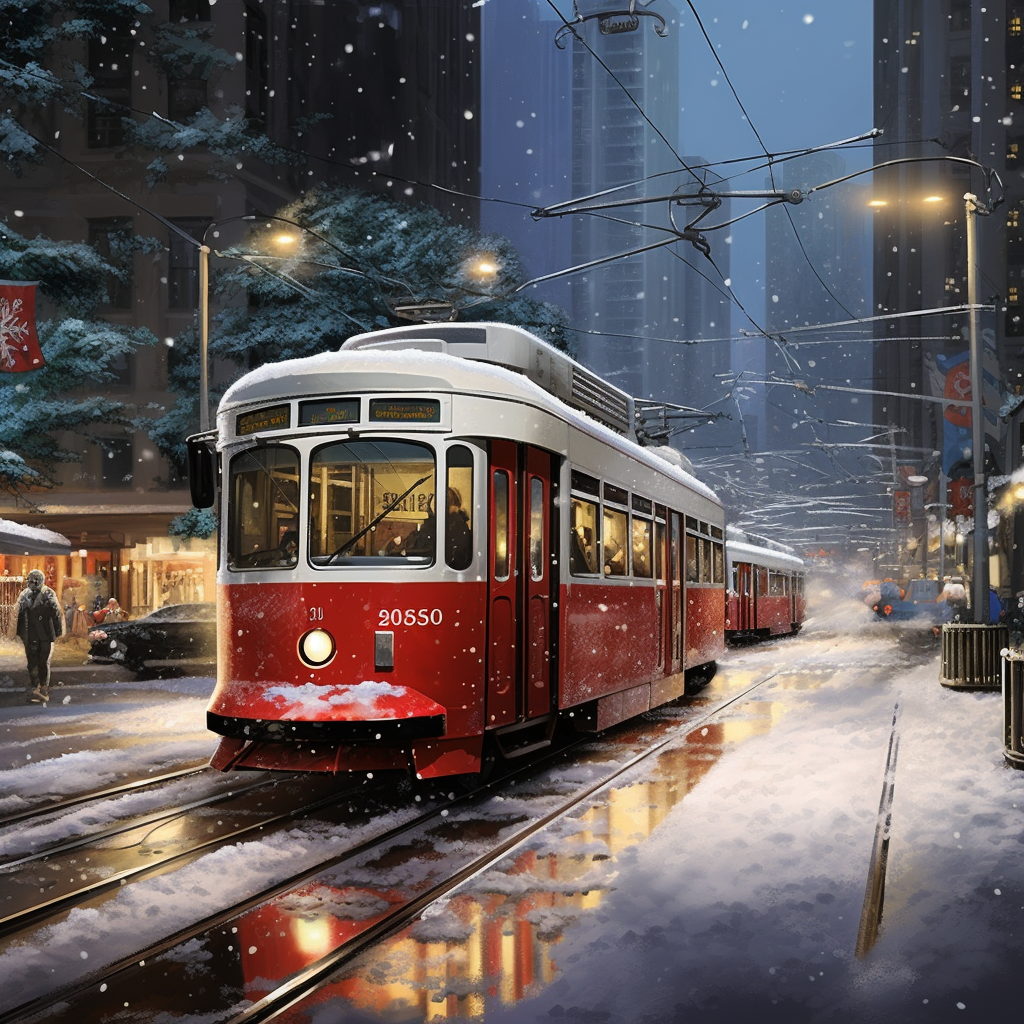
(979, 572)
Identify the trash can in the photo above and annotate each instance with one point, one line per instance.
(1013, 706)
(971, 655)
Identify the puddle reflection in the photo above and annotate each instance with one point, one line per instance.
(496, 941)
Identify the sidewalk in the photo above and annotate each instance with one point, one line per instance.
(68, 666)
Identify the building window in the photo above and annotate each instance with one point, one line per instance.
(111, 237)
(1013, 25)
(960, 15)
(1016, 90)
(183, 265)
(257, 65)
(110, 65)
(188, 10)
(116, 459)
(959, 80)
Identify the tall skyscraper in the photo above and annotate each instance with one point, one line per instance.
(949, 90)
(599, 114)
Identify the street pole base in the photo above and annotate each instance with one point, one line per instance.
(971, 655)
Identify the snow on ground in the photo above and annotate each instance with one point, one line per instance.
(135, 737)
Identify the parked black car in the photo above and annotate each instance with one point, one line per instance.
(175, 636)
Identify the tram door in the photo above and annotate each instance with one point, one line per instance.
(678, 618)
(745, 590)
(520, 629)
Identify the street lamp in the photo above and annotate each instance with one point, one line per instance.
(204, 321)
(979, 575)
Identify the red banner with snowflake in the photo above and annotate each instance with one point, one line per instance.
(19, 343)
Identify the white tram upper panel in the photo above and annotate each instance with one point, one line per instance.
(743, 547)
(306, 395)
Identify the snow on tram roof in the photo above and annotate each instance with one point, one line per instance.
(415, 369)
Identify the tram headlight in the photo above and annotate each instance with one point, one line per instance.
(317, 648)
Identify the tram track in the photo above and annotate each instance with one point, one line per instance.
(128, 825)
(117, 975)
(40, 810)
(85, 888)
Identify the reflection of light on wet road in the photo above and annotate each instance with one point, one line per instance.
(496, 941)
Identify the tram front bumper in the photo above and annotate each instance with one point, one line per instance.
(365, 712)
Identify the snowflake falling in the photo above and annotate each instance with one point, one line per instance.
(13, 331)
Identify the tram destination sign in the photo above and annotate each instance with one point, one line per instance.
(275, 417)
(387, 410)
(339, 410)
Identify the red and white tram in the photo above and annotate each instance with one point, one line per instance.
(442, 535)
(766, 587)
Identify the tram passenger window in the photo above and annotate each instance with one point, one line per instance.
(458, 528)
(501, 524)
(718, 562)
(615, 555)
(536, 528)
(660, 533)
(762, 581)
(674, 553)
(584, 536)
(691, 559)
(642, 548)
(372, 499)
(263, 492)
(704, 564)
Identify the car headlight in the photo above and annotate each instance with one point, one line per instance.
(317, 648)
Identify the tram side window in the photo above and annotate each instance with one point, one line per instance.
(762, 581)
(537, 546)
(718, 562)
(263, 513)
(660, 535)
(369, 499)
(642, 548)
(776, 584)
(584, 536)
(692, 576)
(704, 546)
(499, 485)
(615, 556)
(458, 529)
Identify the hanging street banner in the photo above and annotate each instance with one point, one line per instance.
(19, 343)
(949, 376)
(901, 508)
(960, 498)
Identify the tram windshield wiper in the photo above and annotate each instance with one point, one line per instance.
(373, 522)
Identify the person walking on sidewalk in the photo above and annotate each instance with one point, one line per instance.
(40, 622)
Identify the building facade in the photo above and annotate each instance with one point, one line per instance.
(949, 95)
(382, 97)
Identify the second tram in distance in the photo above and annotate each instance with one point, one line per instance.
(766, 587)
(444, 538)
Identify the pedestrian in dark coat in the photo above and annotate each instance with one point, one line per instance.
(40, 622)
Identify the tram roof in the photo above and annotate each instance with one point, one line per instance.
(425, 368)
(515, 349)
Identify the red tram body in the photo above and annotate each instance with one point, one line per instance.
(443, 535)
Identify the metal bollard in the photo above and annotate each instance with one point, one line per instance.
(971, 655)
(1013, 707)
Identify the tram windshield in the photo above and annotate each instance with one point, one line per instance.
(263, 512)
(370, 499)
